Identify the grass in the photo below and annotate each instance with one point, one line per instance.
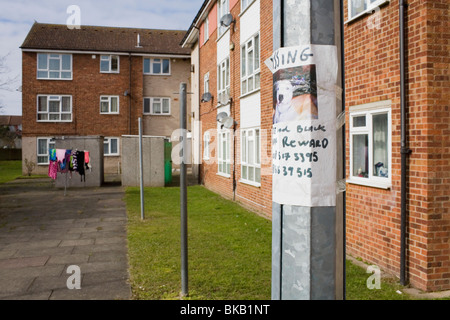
(229, 247)
(10, 170)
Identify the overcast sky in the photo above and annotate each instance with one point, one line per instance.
(17, 17)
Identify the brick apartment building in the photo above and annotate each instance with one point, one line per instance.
(229, 64)
(99, 81)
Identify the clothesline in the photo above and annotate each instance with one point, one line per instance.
(67, 161)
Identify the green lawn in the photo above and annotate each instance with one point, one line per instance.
(229, 247)
(10, 170)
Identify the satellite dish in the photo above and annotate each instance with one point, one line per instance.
(206, 97)
(227, 20)
(228, 122)
(224, 98)
(221, 117)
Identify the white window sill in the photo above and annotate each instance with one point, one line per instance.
(250, 93)
(225, 175)
(370, 183)
(252, 183)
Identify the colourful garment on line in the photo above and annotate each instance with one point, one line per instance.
(53, 169)
(52, 154)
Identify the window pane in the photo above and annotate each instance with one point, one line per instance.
(146, 65)
(166, 66)
(243, 62)
(66, 75)
(360, 155)
(244, 147)
(42, 61)
(114, 104)
(65, 104)
(66, 62)
(146, 105)
(228, 73)
(54, 117)
(251, 173)
(42, 74)
(244, 172)
(113, 143)
(250, 61)
(166, 108)
(244, 86)
(157, 66)
(43, 116)
(157, 107)
(53, 106)
(250, 83)
(42, 106)
(380, 145)
(257, 151)
(115, 63)
(104, 106)
(359, 121)
(357, 6)
(54, 75)
(256, 52)
(106, 147)
(257, 81)
(66, 117)
(251, 151)
(258, 175)
(54, 64)
(42, 146)
(104, 65)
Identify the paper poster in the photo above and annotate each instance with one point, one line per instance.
(304, 125)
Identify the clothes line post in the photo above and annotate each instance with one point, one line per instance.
(141, 170)
(183, 192)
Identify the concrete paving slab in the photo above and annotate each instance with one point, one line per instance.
(43, 232)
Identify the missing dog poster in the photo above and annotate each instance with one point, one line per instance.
(304, 125)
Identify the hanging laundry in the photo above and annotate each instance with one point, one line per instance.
(52, 154)
(74, 160)
(80, 164)
(53, 169)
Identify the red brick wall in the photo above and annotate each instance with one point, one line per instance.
(87, 86)
(258, 199)
(372, 70)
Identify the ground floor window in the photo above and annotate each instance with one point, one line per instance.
(251, 155)
(370, 144)
(44, 144)
(224, 152)
(111, 146)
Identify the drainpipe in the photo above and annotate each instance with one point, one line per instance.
(343, 142)
(129, 100)
(404, 149)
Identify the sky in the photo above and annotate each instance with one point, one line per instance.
(17, 17)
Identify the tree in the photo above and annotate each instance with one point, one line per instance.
(6, 82)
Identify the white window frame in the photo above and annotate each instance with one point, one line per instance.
(53, 56)
(152, 62)
(108, 99)
(48, 113)
(206, 30)
(206, 143)
(245, 4)
(223, 79)
(206, 83)
(107, 141)
(223, 9)
(369, 110)
(223, 159)
(50, 145)
(369, 7)
(109, 58)
(247, 75)
(152, 100)
(247, 135)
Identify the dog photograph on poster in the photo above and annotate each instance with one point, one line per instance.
(295, 94)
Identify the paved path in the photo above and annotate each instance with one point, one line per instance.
(43, 232)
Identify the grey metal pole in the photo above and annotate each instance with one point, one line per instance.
(183, 192)
(141, 169)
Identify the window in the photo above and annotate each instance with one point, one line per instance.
(245, 4)
(206, 30)
(223, 81)
(370, 144)
(206, 141)
(224, 8)
(43, 147)
(54, 66)
(251, 156)
(357, 8)
(111, 146)
(206, 83)
(250, 70)
(54, 108)
(157, 106)
(109, 64)
(109, 104)
(224, 152)
(156, 66)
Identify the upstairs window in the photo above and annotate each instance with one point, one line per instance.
(54, 108)
(357, 8)
(250, 66)
(223, 81)
(245, 4)
(156, 66)
(157, 106)
(109, 64)
(224, 8)
(54, 66)
(109, 104)
(206, 30)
